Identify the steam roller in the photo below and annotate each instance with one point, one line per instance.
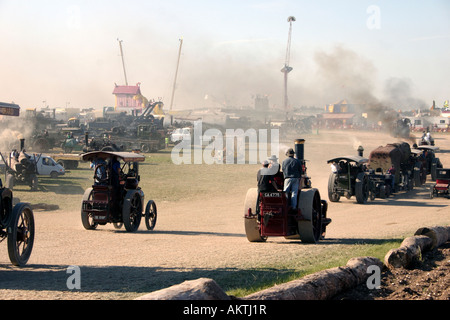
(269, 214)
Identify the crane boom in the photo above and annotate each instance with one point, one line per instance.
(123, 61)
(176, 74)
(286, 69)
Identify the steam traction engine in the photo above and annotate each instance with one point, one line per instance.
(116, 199)
(399, 157)
(269, 214)
(16, 221)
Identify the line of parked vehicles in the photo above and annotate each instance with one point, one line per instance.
(388, 169)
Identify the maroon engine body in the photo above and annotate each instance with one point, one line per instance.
(276, 218)
(100, 205)
(270, 214)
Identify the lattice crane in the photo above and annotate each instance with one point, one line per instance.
(286, 69)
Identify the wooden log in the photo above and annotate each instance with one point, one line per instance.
(409, 253)
(439, 235)
(200, 289)
(424, 243)
(321, 285)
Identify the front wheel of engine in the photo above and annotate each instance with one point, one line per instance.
(332, 186)
(361, 188)
(252, 227)
(21, 234)
(151, 215)
(86, 218)
(132, 211)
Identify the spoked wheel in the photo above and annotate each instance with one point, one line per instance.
(117, 225)
(132, 210)
(325, 221)
(372, 190)
(252, 227)
(6, 208)
(388, 191)
(361, 188)
(310, 229)
(145, 148)
(332, 186)
(86, 218)
(150, 215)
(21, 234)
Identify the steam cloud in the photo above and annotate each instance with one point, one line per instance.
(344, 74)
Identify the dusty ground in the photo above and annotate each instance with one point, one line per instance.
(206, 238)
(429, 280)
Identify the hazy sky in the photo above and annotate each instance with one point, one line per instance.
(66, 52)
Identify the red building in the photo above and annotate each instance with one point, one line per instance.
(128, 97)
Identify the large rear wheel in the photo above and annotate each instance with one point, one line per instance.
(86, 218)
(252, 227)
(132, 210)
(21, 234)
(310, 229)
(332, 187)
(362, 188)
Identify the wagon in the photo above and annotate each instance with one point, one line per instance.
(116, 199)
(442, 185)
(397, 159)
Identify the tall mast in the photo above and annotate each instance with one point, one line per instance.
(123, 61)
(286, 69)
(176, 74)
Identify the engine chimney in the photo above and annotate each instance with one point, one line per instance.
(86, 138)
(22, 144)
(300, 152)
(360, 151)
(300, 149)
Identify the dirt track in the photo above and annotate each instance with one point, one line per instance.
(198, 238)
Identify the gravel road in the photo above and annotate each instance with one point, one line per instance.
(202, 237)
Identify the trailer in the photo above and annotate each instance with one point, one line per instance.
(146, 139)
(67, 160)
